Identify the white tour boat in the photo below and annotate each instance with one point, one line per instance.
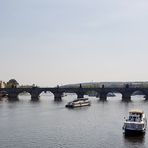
(80, 102)
(136, 122)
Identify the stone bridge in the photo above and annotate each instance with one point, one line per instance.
(80, 91)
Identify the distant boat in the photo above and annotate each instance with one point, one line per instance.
(136, 123)
(111, 95)
(78, 103)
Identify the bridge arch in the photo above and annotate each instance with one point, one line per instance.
(110, 95)
(24, 95)
(67, 94)
(92, 93)
(44, 95)
(114, 95)
(137, 94)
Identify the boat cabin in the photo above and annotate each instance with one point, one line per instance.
(135, 115)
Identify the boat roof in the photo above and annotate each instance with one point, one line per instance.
(80, 99)
(136, 111)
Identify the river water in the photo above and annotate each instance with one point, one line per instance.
(48, 124)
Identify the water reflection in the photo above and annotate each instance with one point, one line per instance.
(84, 108)
(102, 101)
(44, 123)
(13, 101)
(57, 102)
(134, 140)
(35, 101)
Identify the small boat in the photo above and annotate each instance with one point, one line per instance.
(78, 103)
(136, 122)
(111, 95)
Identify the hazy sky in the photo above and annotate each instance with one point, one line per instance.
(50, 42)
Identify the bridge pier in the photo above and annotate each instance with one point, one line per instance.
(146, 97)
(98, 94)
(126, 97)
(80, 92)
(13, 96)
(80, 95)
(35, 95)
(57, 96)
(103, 96)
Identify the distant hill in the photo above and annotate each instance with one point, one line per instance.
(108, 84)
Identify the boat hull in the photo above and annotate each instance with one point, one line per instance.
(133, 132)
(77, 105)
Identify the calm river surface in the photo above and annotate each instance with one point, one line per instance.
(47, 124)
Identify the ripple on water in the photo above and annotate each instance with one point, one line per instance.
(48, 124)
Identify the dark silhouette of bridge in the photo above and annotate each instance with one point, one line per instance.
(126, 92)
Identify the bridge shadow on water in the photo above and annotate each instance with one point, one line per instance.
(102, 101)
(126, 102)
(17, 100)
(57, 102)
(35, 101)
(13, 101)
